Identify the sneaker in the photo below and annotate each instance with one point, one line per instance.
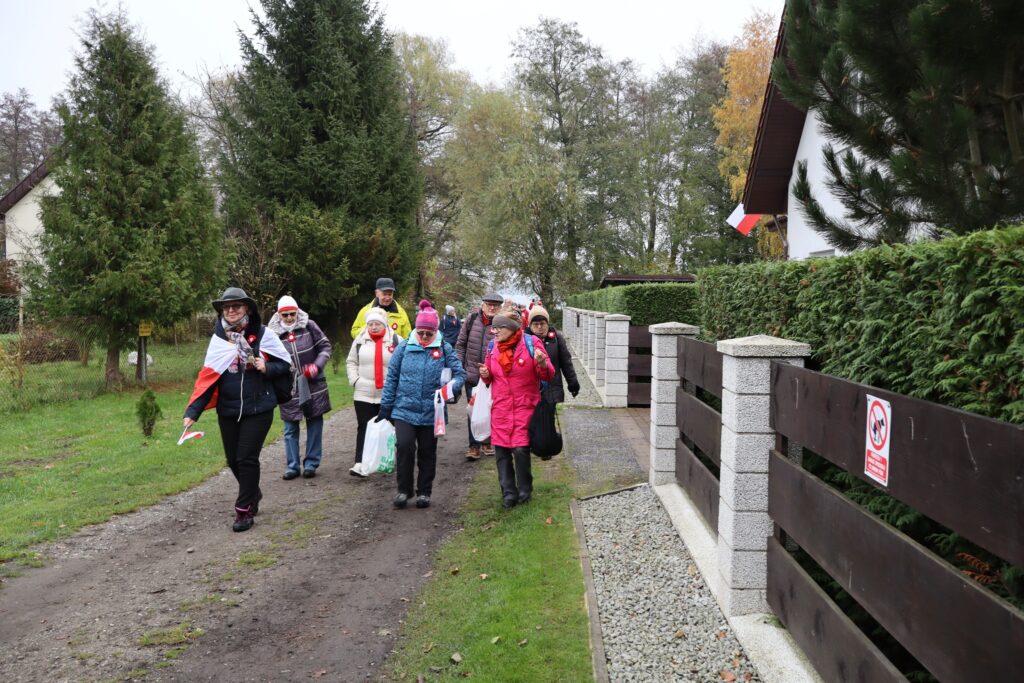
(357, 471)
(400, 501)
(423, 502)
(487, 449)
(308, 474)
(473, 453)
(243, 519)
(290, 474)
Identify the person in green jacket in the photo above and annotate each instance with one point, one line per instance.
(384, 297)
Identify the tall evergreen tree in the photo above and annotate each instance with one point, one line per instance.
(922, 99)
(132, 235)
(323, 151)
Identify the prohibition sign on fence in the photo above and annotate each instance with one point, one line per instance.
(876, 440)
(878, 427)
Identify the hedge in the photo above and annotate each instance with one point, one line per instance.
(646, 304)
(941, 321)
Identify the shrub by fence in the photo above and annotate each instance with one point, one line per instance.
(645, 304)
(936, 320)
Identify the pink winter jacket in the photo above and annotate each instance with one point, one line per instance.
(515, 395)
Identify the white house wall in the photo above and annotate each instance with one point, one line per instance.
(23, 223)
(803, 240)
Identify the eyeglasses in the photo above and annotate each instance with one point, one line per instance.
(288, 315)
(234, 306)
(425, 334)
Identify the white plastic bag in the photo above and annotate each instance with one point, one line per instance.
(480, 418)
(379, 447)
(439, 426)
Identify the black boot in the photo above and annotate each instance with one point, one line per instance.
(506, 477)
(524, 475)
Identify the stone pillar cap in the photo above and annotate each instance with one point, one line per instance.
(674, 328)
(764, 346)
(616, 316)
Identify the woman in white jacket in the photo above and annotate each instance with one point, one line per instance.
(367, 367)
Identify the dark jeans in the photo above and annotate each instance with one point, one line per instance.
(415, 445)
(243, 441)
(364, 413)
(514, 473)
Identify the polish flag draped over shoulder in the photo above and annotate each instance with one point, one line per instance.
(219, 355)
(743, 221)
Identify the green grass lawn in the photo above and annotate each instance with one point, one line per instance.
(69, 464)
(526, 620)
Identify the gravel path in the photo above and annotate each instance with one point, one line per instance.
(659, 620)
(588, 396)
(603, 460)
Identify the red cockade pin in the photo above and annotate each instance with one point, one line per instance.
(291, 337)
(522, 362)
(551, 335)
(391, 349)
(252, 338)
(436, 353)
(394, 326)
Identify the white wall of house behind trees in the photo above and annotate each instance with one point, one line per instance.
(804, 242)
(24, 224)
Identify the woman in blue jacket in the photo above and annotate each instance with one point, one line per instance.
(414, 375)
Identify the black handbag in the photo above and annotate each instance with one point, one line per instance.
(545, 440)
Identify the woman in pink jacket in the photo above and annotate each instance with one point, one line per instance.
(514, 374)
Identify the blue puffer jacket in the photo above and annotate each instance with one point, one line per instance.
(414, 374)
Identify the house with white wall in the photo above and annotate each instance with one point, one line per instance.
(787, 136)
(21, 224)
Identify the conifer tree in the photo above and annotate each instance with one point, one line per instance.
(322, 149)
(131, 235)
(923, 102)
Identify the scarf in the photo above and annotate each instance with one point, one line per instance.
(506, 349)
(236, 334)
(378, 358)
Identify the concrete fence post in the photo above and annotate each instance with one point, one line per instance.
(600, 342)
(664, 382)
(616, 360)
(591, 343)
(584, 337)
(743, 522)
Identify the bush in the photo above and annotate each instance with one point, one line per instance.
(8, 314)
(148, 412)
(645, 304)
(939, 321)
(41, 345)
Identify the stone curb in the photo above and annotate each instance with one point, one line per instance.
(597, 655)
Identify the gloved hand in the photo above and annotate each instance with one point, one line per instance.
(574, 390)
(310, 371)
(383, 414)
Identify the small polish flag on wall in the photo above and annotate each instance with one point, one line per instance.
(742, 221)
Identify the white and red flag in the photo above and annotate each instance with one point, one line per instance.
(219, 355)
(742, 221)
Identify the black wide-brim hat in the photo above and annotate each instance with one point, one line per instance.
(235, 294)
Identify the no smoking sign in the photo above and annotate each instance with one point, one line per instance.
(876, 440)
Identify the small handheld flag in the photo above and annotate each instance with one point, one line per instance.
(742, 221)
(186, 435)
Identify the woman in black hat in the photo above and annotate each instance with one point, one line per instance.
(242, 363)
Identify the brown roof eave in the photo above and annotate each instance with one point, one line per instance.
(19, 191)
(775, 145)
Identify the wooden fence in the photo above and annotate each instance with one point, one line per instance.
(963, 471)
(700, 426)
(638, 392)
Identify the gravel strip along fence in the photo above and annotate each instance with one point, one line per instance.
(601, 458)
(588, 396)
(659, 620)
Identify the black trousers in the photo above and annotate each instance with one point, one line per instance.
(243, 441)
(415, 445)
(364, 413)
(514, 474)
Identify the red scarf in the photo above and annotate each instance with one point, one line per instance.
(378, 358)
(507, 349)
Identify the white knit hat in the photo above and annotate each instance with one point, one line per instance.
(377, 313)
(286, 303)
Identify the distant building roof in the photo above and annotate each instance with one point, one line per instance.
(616, 279)
(778, 137)
(24, 187)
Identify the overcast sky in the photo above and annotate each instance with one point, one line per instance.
(39, 36)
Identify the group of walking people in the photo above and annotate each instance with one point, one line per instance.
(397, 369)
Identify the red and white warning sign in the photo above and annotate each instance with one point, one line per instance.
(876, 440)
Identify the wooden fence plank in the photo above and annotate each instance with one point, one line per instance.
(838, 649)
(638, 394)
(953, 626)
(639, 337)
(699, 483)
(962, 470)
(638, 366)
(700, 363)
(701, 423)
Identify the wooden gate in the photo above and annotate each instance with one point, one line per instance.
(700, 425)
